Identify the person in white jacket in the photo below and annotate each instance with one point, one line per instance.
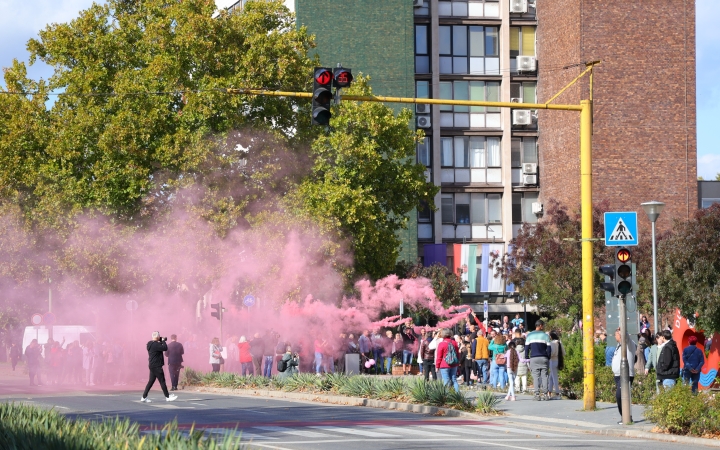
(631, 347)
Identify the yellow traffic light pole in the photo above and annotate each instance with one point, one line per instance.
(585, 108)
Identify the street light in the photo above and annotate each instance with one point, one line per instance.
(653, 210)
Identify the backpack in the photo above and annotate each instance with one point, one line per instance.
(281, 365)
(451, 358)
(500, 359)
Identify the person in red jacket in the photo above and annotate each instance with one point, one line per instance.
(246, 365)
(447, 359)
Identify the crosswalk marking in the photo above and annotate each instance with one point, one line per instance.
(285, 430)
(414, 431)
(220, 432)
(366, 433)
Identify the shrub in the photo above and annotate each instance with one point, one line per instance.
(487, 402)
(679, 411)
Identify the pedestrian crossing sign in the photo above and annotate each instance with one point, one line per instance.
(621, 229)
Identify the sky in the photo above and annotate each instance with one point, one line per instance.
(21, 20)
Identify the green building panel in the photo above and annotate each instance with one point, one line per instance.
(375, 37)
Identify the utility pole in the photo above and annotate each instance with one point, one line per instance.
(624, 368)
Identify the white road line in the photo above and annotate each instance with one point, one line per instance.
(285, 430)
(219, 432)
(411, 430)
(509, 431)
(474, 430)
(161, 406)
(201, 404)
(366, 433)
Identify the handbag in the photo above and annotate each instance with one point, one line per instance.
(500, 359)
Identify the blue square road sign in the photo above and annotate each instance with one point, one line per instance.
(621, 229)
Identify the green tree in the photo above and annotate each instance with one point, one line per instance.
(143, 86)
(689, 267)
(365, 179)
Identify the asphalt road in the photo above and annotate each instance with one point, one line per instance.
(278, 424)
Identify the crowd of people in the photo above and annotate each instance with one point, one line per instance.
(86, 363)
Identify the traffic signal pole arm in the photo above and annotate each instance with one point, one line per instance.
(422, 101)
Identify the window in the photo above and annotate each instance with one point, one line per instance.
(470, 159)
(422, 46)
(469, 50)
(522, 43)
(525, 92)
(708, 202)
(474, 116)
(522, 150)
(522, 207)
(471, 215)
(424, 155)
(425, 215)
(469, 8)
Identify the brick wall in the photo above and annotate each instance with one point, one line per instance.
(644, 102)
(375, 37)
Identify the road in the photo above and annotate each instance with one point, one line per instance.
(280, 424)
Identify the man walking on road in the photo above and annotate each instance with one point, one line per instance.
(537, 350)
(175, 359)
(156, 361)
(32, 357)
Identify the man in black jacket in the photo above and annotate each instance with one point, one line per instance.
(174, 355)
(156, 361)
(668, 364)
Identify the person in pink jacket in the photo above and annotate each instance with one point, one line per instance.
(447, 359)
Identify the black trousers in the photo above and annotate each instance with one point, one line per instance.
(429, 368)
(618, 392)
(156, 373)
(174, 374)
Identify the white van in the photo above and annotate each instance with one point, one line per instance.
(68, 332)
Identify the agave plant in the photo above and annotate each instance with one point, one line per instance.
(391, 389)
(302, 382)
(487, 402)
(438, 393)
(458, 400)
(276, 382)
(418, 390)
(360, 387)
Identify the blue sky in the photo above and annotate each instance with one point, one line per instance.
(21, 20)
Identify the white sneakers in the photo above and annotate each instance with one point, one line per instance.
(172, 398)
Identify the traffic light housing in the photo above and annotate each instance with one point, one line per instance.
(218, 310)
(322, 95)
(623, 272)
(342, 77)
(609, 285)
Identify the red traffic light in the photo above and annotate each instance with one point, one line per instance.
(623, 255)
(343, 78)
(323, 76)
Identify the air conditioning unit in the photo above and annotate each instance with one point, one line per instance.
(529, 180)
(521, 117)
(537, 208)
(529, 168)
(418, 3)
(526, 63)
(423, 121)
(515, 100)
(518, 6)
(422, 108)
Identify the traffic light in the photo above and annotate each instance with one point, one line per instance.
(623, 272)
(322, 95)
(218, 313)
(343, 77)
(609, 285)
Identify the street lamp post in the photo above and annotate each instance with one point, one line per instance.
(653, 210)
